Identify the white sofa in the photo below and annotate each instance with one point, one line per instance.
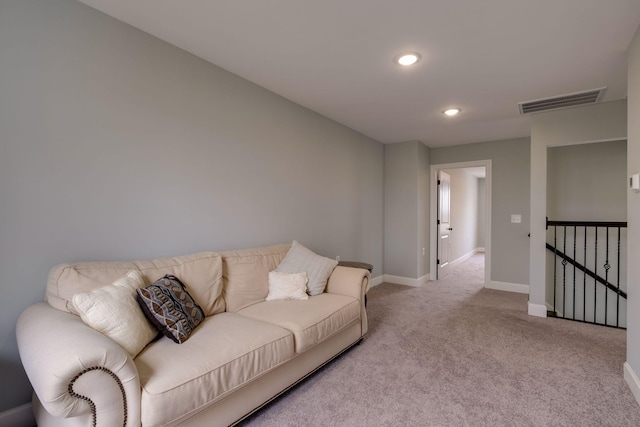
(245, 352)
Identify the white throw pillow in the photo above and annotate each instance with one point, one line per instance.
(114, 311)
(318, 268)
(287, 286)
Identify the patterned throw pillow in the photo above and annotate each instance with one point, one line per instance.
(170, 308)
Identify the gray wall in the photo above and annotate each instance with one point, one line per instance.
(424, 181)
(115, 145)
(633, 208)
(406, 195)
(509, 195)
(464, 213)
(587, 182)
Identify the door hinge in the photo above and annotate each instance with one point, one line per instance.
(438, 182)
(438, 261)
(438, 222)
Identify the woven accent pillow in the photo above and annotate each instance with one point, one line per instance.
(170, 308)
(300, 259)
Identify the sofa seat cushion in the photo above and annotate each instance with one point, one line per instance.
(311, 321)
(225, 351)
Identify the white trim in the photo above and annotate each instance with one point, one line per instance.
(20, 416)
(375, 281)
(433, 206)
(537, 310)
(399, 280)
(632, 380)
(509, 287)
(466, 256)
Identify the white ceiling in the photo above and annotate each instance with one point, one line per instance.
(335, 56)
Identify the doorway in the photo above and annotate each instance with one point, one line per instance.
(444, 223)
(449, 245)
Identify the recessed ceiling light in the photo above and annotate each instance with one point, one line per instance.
(451, 112)
(408, 58)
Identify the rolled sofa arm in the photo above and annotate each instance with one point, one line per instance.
(76, 371)
(353, 282)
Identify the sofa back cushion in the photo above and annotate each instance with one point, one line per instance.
(201, 273)
(246, 274)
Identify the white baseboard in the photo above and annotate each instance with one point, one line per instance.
(632, 380)
(20, 416)
(375, 281)
(466, 256)
(509, 287)
(538, 310)
(399, 280)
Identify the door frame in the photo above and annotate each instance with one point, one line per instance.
(433, 211)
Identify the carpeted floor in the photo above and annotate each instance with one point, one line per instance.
(452, 353)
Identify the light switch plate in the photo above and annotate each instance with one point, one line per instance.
(634, 182)
(516, 219)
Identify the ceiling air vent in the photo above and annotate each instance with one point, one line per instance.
(562, 101)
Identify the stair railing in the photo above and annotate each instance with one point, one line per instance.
(583, 289)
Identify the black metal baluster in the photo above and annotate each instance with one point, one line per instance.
(574, 272)
(618, 284)
(584, 278)
(564, 271)
(555, 268)
(595, 282)
(606, 279)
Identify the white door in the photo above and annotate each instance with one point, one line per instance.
(444, 225)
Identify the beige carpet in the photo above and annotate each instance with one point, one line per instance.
(452, 353)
